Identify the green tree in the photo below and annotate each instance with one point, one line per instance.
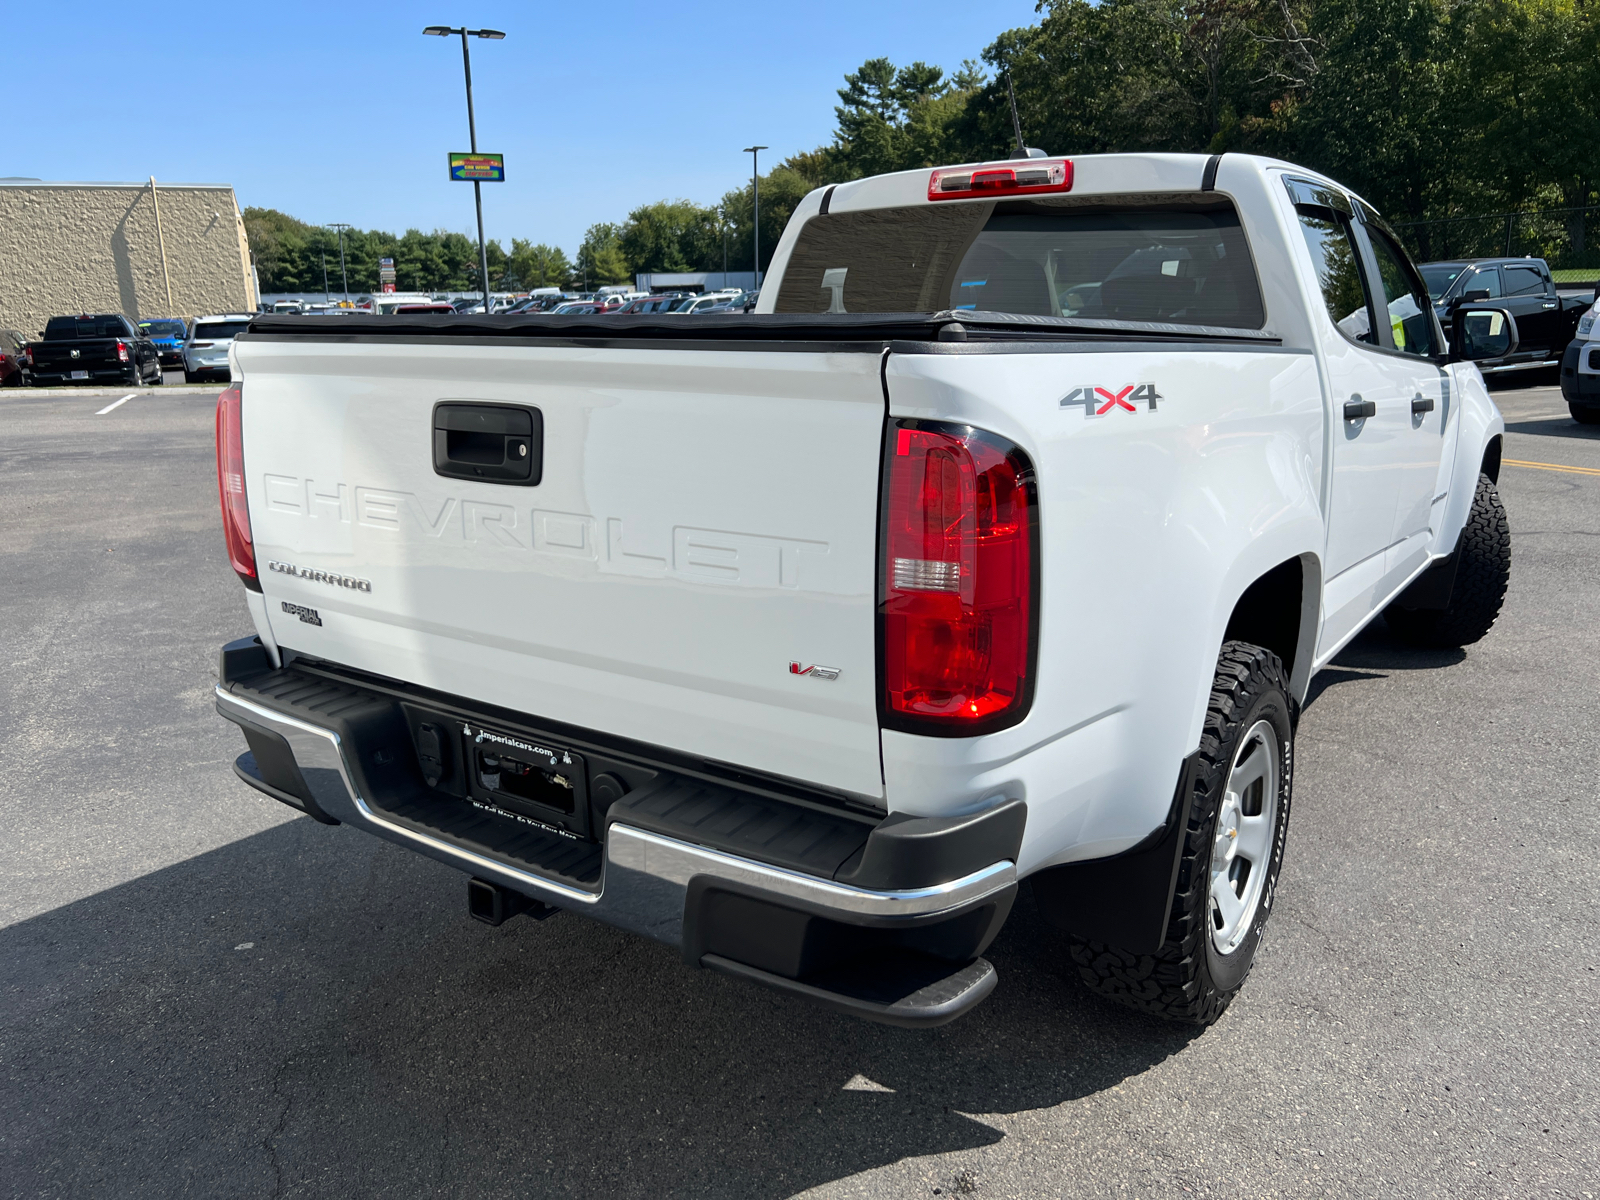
(600, 259)
(537, 266)
(671, 235)
(895, 118)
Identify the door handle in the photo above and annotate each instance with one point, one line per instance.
(494, 443)
(1356, 409)
(1421, 404)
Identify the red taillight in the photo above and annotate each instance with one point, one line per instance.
(1022, 177)
(957, 594)
(122, 351)
(230, 487)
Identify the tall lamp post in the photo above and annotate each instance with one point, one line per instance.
(343, 274)
(493, 35)
(755, 184)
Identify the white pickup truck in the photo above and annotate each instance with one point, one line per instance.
(1000, 543)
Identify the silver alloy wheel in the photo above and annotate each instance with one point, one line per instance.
(1242, 850)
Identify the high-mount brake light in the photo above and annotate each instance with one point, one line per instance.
(230, 486)
(957, 597)
(1025, 177)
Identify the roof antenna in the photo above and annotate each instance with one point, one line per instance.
(1022, 150)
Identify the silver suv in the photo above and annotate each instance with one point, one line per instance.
(205, 354)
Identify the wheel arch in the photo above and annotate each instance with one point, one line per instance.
(1278, 611)
(1491, 458)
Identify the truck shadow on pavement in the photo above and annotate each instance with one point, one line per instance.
(309, 1011)
(1371, 655)
(1562, 427)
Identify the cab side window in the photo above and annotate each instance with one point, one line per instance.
(1484, 279)
(1405, 299)
(1524, 281)
(1339, 274)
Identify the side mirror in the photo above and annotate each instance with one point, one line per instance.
(1482, 333)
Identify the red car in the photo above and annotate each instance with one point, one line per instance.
(13, 358)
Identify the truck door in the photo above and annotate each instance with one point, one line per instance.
(1532, 300)
(1367, 427)
(1415, 393)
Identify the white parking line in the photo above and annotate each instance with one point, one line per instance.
(116, 404)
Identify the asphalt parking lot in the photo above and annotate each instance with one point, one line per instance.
(205, 994)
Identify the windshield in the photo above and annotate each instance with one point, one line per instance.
(160, 329)
(1180, 263)
(1439, 277)
(214, 331)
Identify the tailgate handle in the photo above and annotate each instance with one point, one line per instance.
(492, 443)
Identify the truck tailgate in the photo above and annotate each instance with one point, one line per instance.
(704, 519)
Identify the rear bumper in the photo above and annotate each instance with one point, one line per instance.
(54, 378)
(672, 861)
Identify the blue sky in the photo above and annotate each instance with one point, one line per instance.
(343, 111)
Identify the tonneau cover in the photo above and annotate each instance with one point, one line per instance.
(871, 328)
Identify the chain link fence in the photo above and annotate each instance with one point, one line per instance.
(1567, 238)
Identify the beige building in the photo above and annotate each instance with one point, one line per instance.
(141, 249)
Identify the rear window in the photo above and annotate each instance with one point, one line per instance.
(70, 328)
(214, 331)
(1181, 263)
(157, 329)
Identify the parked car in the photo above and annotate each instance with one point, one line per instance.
(93, 348)
(578, 308)
(1546, 318)
(412, 310)
(1051, 617)
(205, 354)
(13, 358)
(652, 304)
(169, 335)
(1580, 369)
(698, 304)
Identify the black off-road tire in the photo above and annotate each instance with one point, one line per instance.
(1585, 414)
(1187, 979)
(1483, 569)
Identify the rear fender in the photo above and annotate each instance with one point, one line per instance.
(1153, 523)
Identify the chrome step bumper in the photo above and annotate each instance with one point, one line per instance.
(645, 876)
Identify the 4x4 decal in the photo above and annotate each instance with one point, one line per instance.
(1098, 401)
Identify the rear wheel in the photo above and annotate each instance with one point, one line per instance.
(1483, 570)
(1231, 853)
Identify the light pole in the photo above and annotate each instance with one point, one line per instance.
(343, 274)
(493, 35)
(755, 194)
